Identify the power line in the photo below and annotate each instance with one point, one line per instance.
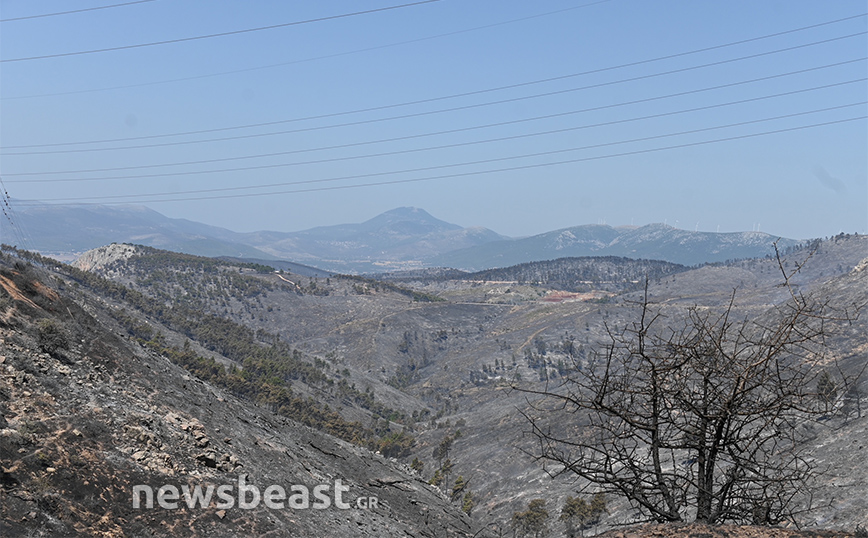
(305, 60)
(480, 172)
(431, 148)
(74, 11)
(6, 207)
(220, 34)
(475, 92)
(498, 124)
(455, 165)
(3, 205)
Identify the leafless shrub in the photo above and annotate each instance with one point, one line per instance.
(699, 419)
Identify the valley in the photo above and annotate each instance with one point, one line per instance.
(408, 363)
(432, 269)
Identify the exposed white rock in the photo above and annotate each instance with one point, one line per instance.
(102, 256)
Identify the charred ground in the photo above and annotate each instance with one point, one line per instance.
(405, 365)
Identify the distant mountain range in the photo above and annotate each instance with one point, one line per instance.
(653, 242)
(67, 231)
(397, 239)
(400, 239)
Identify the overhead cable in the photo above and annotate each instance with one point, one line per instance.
(479, 172)
(455, 165)
(475, 92)
(74, 11)
(305, 60)
(6, 206)
(220, 34)
(414, 150)
(450, 131)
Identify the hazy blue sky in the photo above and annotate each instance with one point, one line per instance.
(535, 115)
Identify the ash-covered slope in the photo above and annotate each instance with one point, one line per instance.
(87, 416)
(530, 340)
(449, 363)
(580, 274)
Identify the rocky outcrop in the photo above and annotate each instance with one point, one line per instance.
(100, 257)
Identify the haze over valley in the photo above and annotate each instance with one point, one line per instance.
(401, 239)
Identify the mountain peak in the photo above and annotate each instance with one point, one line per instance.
(408, 211)
(408, 221)
(410, 214)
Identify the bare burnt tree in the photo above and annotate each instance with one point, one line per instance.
(700, 418)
